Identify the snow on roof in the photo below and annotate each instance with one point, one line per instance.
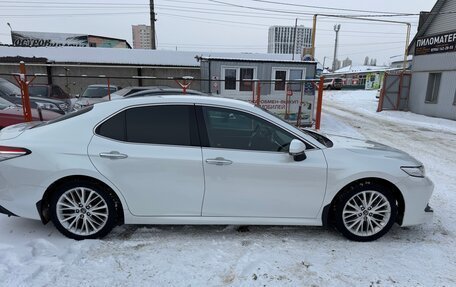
(269, 57)
(360, 69)
(133, 56)
(400, 58)
(104, 55)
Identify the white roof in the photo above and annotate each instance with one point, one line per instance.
(131, 56)
(360, 69)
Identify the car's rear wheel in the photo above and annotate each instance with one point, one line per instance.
(365, 212)
(83, 210)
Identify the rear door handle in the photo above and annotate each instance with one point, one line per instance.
(113, 155)
(218, 161)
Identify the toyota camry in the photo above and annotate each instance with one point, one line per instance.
(203, 160)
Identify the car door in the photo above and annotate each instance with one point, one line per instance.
(152, 155)
(249, 173)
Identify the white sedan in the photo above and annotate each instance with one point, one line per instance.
(203, 160)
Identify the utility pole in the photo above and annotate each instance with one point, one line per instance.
(152, 25)
(294, 37)
(11, 29)
(336, 29)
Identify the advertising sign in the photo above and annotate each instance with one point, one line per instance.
(440, 43)
(41, 39)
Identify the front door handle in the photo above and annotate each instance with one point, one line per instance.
(219, 161)
(113, 155)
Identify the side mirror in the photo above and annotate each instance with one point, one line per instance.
(77, 96)
(297, 150)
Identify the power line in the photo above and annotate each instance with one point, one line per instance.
(322, 7)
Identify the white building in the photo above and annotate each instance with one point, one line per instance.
(141, 36)
(281, 39)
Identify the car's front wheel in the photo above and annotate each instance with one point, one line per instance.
(83, 210)
(365, 212)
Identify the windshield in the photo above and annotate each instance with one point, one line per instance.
(9, 88)
(38, 91)
(97, 92)
(5, 104)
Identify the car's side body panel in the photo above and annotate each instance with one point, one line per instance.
(263, 184)
(156, 180)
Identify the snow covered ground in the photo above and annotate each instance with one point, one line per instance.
(35, 255)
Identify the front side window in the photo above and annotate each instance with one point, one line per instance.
(164, 124)
(432, 92)
(230, 79)
(233, 129)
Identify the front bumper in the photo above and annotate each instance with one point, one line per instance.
(416, 193)
(428, 214)
(6, 211)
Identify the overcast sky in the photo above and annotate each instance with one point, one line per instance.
(205, 25)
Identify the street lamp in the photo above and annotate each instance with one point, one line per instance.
(336, 29)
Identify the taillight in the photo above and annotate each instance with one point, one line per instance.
(7, 152)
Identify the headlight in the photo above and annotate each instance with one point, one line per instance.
(64, 106)
(48, 106)
(415, 171)
(77, 106)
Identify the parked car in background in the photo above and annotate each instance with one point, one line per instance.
(11, 114)
(137, 91)
(52, 92)
(12, 93)
(124, 92)
(333, 83)
(48, 91)
(203, 160)
(94, 94)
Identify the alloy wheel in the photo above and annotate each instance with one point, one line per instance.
(366, 213)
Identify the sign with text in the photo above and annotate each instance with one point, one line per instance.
(42, 39)
(440, 43)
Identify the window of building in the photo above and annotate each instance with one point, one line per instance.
(280, 78)
(230, 79)
(432, 92)
(245, 82)
(167, 125)
(295, 75)
(283, 78)
(238, 79)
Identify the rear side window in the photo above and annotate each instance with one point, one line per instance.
(168, 125)
(114, 128)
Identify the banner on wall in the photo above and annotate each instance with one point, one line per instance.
(439, 43)
(43, 39)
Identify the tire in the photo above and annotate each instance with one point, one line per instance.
(365, 211)
(83, 210)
